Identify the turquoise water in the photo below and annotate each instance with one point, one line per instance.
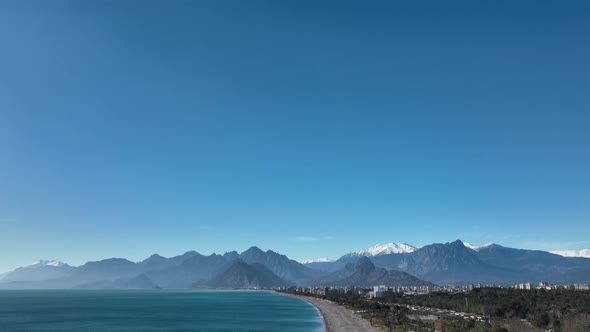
(154, 310)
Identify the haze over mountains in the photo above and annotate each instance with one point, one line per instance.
(394, 264)
(365, 273)
(459, 263)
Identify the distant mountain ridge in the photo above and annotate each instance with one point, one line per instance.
(39, 270)
(459, 263)
(363, 273)
(242, 275)
(317, 260)
(394, 264)
(375, 252)
(476, 248)
(281, 265)
(384, 249)
(43, 262)
(251, 268)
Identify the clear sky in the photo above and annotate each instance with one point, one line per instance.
(312, 128)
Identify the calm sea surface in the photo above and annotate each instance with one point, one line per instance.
(154, 310)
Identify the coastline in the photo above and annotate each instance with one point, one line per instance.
(336, 317)
(304, 298)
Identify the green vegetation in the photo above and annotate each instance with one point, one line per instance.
(556, 309)
(389, 317)
(561, 310)
(396, 318)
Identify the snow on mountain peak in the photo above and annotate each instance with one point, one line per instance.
(572, 253)
(385, 249)
(317, 260)
(43, 262)
(469, 245)
(476, 248)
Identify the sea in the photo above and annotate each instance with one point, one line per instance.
(155, 310)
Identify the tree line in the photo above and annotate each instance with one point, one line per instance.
(561, 309)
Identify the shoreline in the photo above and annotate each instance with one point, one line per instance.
(304, 298)
(336, 318)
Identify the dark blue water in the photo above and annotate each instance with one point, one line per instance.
(154, 310)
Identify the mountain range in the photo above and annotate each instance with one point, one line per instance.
(384, 249)
(394, 264)
(364, 273)
(251, 268)
(243, 275)
(458, 263)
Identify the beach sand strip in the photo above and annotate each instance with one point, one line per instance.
(336, 317)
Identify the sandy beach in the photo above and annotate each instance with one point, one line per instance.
(338, 318)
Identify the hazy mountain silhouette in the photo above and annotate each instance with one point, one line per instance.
(443, 263)
(242, 275)
(281, 265)
(454, 263)
(364, 273)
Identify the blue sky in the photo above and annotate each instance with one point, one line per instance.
(313, 129)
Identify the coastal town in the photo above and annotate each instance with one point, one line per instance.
(378, 291)
(441, 308)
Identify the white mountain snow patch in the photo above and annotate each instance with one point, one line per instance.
(476, 248)
(317, 260)
(43, 262)
(385, 249)
(572, 253)
(469, 245)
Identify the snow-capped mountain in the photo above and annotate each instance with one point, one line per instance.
(39, 270)
(317, 260)
(451, 263)
(476, 248)
(572, 253)
(43, 262)
(385, 249)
